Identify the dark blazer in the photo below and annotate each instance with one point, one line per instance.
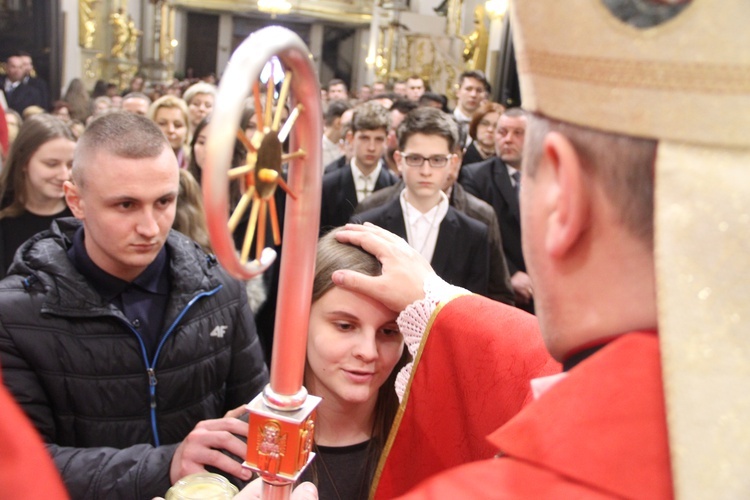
(341, 162)
(471, 155)
(489, 181)
(22, 96)
(340, 196)
(43, 89)
(461, 254)
(498, 286)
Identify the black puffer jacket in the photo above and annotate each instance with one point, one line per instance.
(112, 418)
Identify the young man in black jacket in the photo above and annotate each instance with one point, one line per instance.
(124, 343)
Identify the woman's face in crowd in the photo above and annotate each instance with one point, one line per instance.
(353, 345)
(63, 114)
(486, 131)
(199, 148)
(252, 122)
(172, 123)
(12, 121)
(49, 167)
(200, 106)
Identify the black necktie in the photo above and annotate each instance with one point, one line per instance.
(517, 178)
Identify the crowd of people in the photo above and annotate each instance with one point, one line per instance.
(107, 236)
(442, 234)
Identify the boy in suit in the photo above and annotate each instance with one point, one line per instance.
(455, 244)
(344, 188)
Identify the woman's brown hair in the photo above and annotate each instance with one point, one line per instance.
(190, 218)
(35, 132)
(485, 109)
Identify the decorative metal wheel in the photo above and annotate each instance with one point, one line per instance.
(262, 174)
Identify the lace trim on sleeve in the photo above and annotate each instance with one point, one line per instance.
(414, 319)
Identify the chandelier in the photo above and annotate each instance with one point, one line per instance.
(496, 8)
(274, 7)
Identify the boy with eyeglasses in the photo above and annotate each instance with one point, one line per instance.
(455, 244)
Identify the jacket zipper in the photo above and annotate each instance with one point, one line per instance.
(151, 366)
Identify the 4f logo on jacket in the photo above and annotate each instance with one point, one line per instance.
(219, 331)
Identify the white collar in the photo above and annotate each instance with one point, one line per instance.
(422, 230)
(364, 185)
(460, 116)
(511, 171)
(412, 214)
(357, 173)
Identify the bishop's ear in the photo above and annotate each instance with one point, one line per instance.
(73, 199)
(568, 200)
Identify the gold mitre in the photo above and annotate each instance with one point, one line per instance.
(686, 79)
(685, 82)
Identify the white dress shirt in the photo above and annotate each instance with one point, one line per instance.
(364, 184)
(331, 151)
(422, 228)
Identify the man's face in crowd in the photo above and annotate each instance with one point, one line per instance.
(28, 64)
(397, 117)
(364, 93)
(378, 88)
(368, 147)
(135, 105)
(127, 207)
(414, 88)
(509, 136)
(346, 120)
(337, 92)
(400, 89)
(136, 84)
(14, 68)
(470, 95)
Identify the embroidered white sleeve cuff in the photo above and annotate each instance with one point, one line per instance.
(414, 319)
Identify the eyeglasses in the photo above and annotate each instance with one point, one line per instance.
(488, 124)
(435, 161)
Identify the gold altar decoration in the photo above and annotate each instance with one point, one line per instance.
(427, 56)
(119, 22)
(86, 23)
(134, 34)
(356, 12)
(453, 18)
(108, 37)
(166, 39)
(475, 44)
(274, 7)
(122, 65)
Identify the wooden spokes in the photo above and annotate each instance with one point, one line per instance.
(262, 172)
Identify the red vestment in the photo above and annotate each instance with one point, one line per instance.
(467, 380)
(599, 433)
(26, 469)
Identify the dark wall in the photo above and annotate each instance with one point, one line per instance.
(201, 44)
